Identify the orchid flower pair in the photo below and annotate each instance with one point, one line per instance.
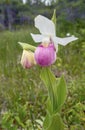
(45, 53)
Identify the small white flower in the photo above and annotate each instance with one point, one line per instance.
(47, 30)
(68, 34)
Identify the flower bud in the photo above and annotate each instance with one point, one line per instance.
(45, 55)
(27, 59)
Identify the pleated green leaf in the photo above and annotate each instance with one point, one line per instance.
(61, 91)
(53, 123)
(56, 88)
(50, 81)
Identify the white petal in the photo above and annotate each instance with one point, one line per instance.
(45, 26)
(64, 41)
(37, 37)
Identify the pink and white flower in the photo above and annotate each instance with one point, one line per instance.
(45, 53)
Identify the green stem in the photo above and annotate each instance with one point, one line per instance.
(50, 90)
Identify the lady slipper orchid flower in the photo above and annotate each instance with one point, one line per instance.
(45, 55)
(27, 59)
(47, 29)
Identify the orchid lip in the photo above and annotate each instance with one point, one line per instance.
(45, 56)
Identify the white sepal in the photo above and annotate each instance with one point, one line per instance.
(45, 26)
(64, 41)
(37, 37)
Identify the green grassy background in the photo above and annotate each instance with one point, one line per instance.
(22, 93)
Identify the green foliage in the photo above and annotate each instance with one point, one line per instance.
(18, 119)
(21, 117)
(50, 82)
(61, 92)
(56, 98)
(74, 107)
(53, 122)
(54, 17)
(19, 86)
(27, 46)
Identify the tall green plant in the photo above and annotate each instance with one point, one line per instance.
(45, 55)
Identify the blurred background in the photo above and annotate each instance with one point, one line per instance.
(14, 13)
(22, 93)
